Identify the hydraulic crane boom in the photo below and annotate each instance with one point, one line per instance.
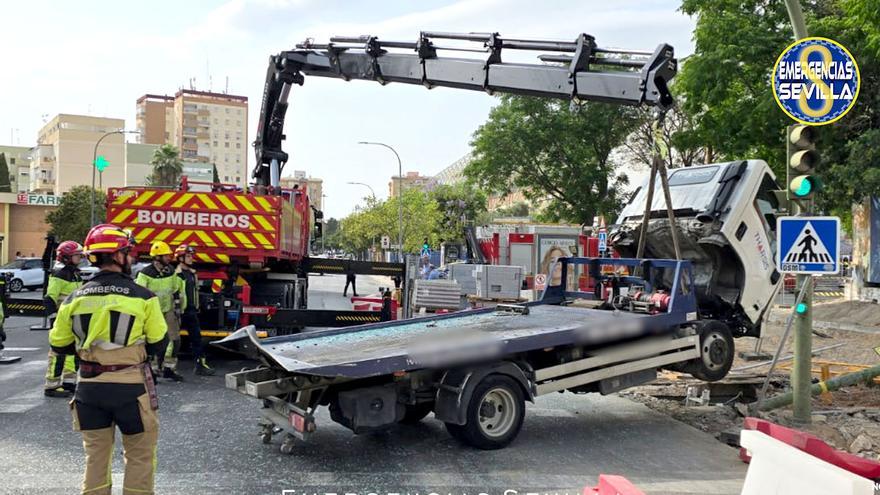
(578, 70)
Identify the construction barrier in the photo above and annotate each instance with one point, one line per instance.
(372, 303)
(610, 484)
(813, 446)
(777, 468)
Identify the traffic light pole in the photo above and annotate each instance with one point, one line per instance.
(801, 372)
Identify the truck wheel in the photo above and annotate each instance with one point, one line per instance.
(416, 412)
(494, 415)
(716, 352)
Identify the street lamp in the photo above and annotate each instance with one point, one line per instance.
(372, 193)
(399, 198)
(95, 165)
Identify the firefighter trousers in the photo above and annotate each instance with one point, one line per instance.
(169, 360)
(100, 408)
(61, 370)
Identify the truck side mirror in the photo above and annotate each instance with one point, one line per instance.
(319, 230)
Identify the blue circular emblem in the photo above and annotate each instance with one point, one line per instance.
(816, 81)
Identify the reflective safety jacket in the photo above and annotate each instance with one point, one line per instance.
(62, 283)
(109, 313)
(190, 283)
(164, 284)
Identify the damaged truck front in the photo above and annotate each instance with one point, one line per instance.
(725, 214)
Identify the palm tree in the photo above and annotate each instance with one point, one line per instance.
(167, 167)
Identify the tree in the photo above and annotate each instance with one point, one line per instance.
(725, 87)
(167, 167)
(516, 210)
(553, 150)
(421, 218)
(5, 185)
(461, 204)
(72, 219)
(216, 175)
(675, 135)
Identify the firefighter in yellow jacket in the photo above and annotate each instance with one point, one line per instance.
(61, 372)
(113, 325)
(159, 278)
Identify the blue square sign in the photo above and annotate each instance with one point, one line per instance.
(809, 245)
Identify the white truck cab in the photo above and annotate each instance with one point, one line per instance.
(726, 218)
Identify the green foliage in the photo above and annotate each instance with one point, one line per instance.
(725, 84)
(167, 167)
(725, 87)
(71, 220)
(5, 185)
(421, 218)
(461, 204)
(553, 151)
(516, 210)
(216, 178)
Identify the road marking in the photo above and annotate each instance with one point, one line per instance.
(550, 413)
(21, 349)
(25, 368)
(22, 402)
(193, 407)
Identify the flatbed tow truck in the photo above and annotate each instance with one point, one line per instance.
(476, 369)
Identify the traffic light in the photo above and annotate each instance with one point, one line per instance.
(802, 161)
(101, 163)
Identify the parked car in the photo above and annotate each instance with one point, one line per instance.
(86, 270)
(26, 273)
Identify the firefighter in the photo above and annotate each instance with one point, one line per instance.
(61, 372)
(350, 279)
(159, 278)
(113, 325)
(189, 319)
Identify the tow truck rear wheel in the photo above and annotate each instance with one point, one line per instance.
(494, 415)
(716, 352)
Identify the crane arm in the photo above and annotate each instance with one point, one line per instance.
(577, 70)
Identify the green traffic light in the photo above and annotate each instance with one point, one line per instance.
(801, 308)
(803, 186)
(101, 163)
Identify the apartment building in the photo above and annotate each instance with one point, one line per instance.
(207, 128)
(409, 181)
(65, 152)
(18, 159)
(313, 186)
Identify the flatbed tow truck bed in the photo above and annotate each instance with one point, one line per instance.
(375, 375)
(378, 349)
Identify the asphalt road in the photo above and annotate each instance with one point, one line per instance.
(209, 442)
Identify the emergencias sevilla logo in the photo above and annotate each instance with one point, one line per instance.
(816, 81)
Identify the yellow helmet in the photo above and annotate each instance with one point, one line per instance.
(160, 248)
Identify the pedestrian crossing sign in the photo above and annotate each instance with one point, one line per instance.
(808, 245)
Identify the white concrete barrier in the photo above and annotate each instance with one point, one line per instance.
(777, 468)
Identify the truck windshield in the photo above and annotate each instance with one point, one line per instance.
(768, 206)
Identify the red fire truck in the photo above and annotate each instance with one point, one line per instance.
(252, 252)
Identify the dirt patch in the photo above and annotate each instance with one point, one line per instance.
(848, 312)
(847, 419)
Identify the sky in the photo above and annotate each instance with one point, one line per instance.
(97, 57)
